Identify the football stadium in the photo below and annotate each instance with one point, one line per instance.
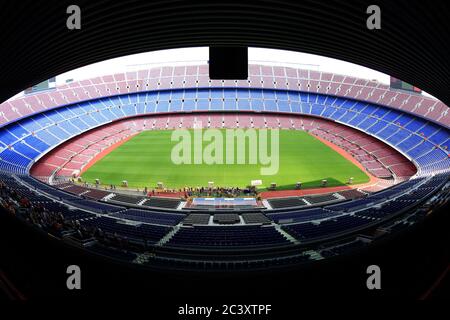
(354, 155)
(166, 168)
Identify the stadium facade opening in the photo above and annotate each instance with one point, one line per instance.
(353, 156)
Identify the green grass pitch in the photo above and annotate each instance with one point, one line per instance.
(145, 160)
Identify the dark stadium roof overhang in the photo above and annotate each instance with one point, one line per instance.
(411, 45)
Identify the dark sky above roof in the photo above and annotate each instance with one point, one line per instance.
(413, 44)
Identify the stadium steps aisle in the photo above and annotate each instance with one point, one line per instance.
(181, 205)
(339, 196)
(285, 234)
(140, 203)
(314, 255)
(108, 197)
(267, 204)
(142, 258)
(168, 236)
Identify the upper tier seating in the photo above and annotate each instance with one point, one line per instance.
(185, 77)
(418, 139)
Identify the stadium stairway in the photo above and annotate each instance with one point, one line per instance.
(169, 235)
(285, 234)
